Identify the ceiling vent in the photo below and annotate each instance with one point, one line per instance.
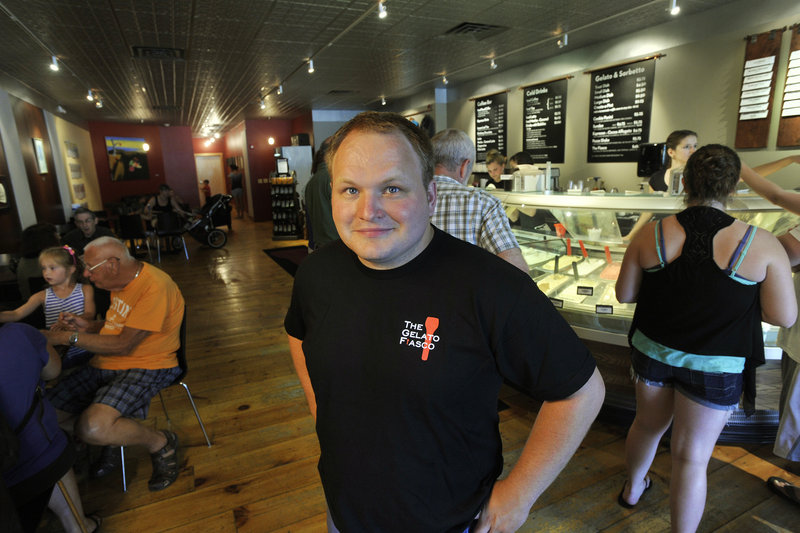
(474, 30)
(159, 53)
(341, 92)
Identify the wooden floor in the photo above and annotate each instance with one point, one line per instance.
(260, 475)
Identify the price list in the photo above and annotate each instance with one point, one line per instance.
(490, 124)
(620, 108)
(544, 111)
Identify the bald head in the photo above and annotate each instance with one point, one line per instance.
(109, 264)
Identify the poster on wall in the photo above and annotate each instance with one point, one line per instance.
(127, 158)
(544, 108)
(490, 124)
(789, 125)
(620, 106)
(75, 171)
(72, 150)
(38, 151)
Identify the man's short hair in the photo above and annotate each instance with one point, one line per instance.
(380, 122)
(82, 210)
(124, 252)
(451, 147)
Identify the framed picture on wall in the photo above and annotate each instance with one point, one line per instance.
(38, 151)
(127, 158)
(3, 193)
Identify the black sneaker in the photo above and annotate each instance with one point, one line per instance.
(165, 464)
(108, 462)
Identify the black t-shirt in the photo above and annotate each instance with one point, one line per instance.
(76, 240)
(658, 180)
(408, 435)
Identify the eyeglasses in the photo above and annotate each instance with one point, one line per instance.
(104, 261)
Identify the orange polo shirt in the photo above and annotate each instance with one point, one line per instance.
(151, 302)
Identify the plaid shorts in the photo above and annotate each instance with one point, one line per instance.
(127, 391)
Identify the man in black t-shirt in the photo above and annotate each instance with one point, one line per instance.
(401, 347)
(86, 230)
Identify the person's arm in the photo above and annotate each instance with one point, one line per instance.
(630, 272)
(559, 429)
(773, 166)
(792, 247)
(122, 344)
(788, 200)
(299, 360)
(147, 212)
(89, 308)
(53, 367)
(644, 218)
(24, 310)
(776, 308)
(177, 206)
(514, 256)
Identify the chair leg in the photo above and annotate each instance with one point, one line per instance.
(196, 413)
(71, 505)
(185, 251)
(158, 247)
(149, 253)
(164, 407)
(122, 462)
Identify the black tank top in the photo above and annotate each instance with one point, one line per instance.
(693, 305)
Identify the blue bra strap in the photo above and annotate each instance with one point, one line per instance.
(741, 250)
(660, 244)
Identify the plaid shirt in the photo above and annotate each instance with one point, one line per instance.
(472, 215)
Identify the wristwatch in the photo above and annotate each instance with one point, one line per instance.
(73, 339)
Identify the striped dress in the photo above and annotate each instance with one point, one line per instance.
(53, 306)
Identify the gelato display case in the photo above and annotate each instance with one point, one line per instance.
(574, 244)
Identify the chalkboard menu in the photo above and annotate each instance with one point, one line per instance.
(490, 124)
(620, 106)
(544, 111)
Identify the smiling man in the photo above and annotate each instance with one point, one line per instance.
(86, 230)
(401, 345)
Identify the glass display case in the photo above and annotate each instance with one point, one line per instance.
(574, 244)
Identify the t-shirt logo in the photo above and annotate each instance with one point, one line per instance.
(415, 336)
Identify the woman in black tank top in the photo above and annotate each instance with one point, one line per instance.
(696, 331)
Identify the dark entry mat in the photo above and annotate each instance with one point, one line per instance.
(288, 257)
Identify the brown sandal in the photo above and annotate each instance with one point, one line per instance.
(165, 464)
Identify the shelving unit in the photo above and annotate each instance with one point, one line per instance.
(287, 223)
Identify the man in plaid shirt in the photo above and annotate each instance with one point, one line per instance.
(468, 213)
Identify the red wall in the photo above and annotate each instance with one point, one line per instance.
(261, 156)
(179, 166)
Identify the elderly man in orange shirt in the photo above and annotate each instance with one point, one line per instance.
(135, 358)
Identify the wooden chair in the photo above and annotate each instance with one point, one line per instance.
(181, 355)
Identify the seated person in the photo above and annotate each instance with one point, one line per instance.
(135, 358)
(45, 455)
(86, 231)
(163, 202)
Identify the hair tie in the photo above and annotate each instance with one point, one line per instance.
(71, 252)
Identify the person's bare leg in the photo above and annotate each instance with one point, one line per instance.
(694, 435)
(100, 424)
(60, 507)
(653, 416)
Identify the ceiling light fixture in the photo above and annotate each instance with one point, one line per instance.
(54, 64)
(675, 8)
(382, 9)
(311, 66)
(444, 80)
(99, 103)
(492, 64)
(90, 96)
(146, 147)
(280, 89)
(216, 135)
(262, 104)
(562, 42)
(271, 141)
(383, 100)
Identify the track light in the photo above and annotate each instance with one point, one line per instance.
(280, 89)
(562, 42)
(146, 147)
(54, 64)
(444, 80)
(382, 9)
(99, 103)
(675, 9)
(90, 96)
(262, 104)
(216, 135)
(311, 66)
(492, 64)
(383, 100)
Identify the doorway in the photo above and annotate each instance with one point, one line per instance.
(210, 167)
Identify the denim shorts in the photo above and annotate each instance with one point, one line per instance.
(717, 390)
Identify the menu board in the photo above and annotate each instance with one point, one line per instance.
(620, 106)
(544, 110)
(490, 124)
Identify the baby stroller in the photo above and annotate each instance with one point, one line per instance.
(202, 226)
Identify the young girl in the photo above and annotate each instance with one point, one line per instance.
(60, 268)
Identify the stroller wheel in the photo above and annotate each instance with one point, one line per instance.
(177, 243)
(217, 238)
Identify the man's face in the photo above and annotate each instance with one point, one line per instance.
(86, 223)
(380, 206)
(98, 265)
